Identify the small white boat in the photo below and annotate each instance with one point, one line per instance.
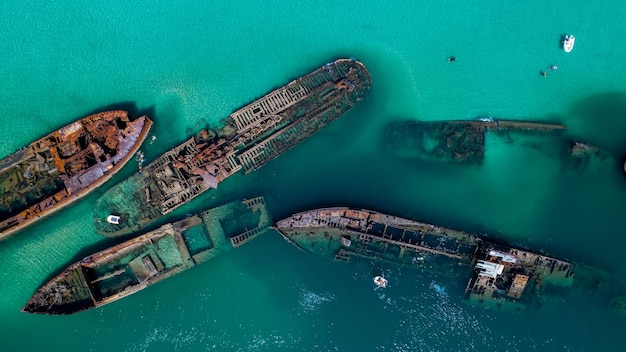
(113, 219)
(380, 281)
(568, 43)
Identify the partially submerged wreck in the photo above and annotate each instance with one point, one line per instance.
(461, 141)
(500, 276)
(62, 167)
(249, 138)
(582, 156)
(129, 267)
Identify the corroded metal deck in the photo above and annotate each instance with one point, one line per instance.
(131, 266)
(345, 233)
(501, 277)
(62, 167)
(249, 138)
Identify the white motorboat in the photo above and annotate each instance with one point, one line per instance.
(113, 219)
(568, 43)
(380, 281)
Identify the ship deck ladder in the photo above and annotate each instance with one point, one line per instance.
(245, 237)
(253, 201)
(271, 104)
(263, 152)
(342, 256)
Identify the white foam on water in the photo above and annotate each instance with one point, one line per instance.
(311, 302)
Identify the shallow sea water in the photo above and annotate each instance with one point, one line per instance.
(189, 64)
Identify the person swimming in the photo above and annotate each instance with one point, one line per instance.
(451, 59)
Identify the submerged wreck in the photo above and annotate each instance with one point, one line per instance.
(249, 138)
(460, 141)
(583, 156)
(500, 276)
(62, 167)
(122, 270)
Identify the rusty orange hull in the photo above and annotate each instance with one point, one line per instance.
(62, 167)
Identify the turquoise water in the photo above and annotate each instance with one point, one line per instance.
(190, 64)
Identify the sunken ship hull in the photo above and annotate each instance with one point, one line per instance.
(451, 141)
(500, 277)
(62, 167)
(249, 138)
(129, 267)
(581, 157)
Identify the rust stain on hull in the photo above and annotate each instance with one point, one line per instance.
(248, 139)
(62, 167)
(500, 276)
(132, 266)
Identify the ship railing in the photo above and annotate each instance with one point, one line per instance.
(342, 256)
(245, 237)
(254, 201)
(272, 103)
(283, 140)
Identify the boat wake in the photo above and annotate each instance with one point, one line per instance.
(310, 302)
(441, 290)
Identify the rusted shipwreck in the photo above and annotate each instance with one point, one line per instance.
(501, 277)
(248, 139)
(129, 267)
(458, 141)
(65, 165)
(582, 156)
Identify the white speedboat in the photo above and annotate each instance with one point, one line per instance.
(568, 43)
(113, 219)
(380, 281)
